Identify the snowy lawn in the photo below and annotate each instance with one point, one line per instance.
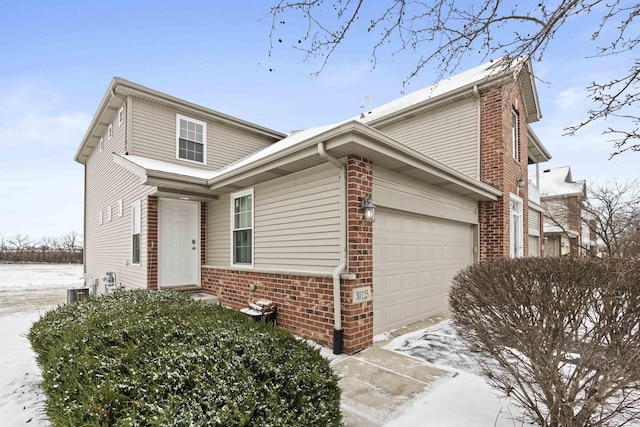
(26, 291)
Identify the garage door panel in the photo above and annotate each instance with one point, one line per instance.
(415, 258)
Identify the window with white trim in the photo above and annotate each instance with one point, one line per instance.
(108, 213)
(121, 116)
(516, 227)
(101, 144)
(100, 217)
(110, 131)
(515, 134)
(135, 232)
(242, 228)
(120, 207)
(191, 139)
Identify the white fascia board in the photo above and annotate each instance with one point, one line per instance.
(107, 99)
(147, 173)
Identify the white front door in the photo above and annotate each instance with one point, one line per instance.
(178, 242)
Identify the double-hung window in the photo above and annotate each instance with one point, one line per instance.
(135, 232)
(242, 227)
(191, 139)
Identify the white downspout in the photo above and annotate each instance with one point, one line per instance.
(337, 303)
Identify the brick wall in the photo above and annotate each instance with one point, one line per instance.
(305, 302)
(358, 317)
(500, 169)
(152, 242)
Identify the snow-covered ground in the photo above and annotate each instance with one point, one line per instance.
(26, 291)
(463, 399)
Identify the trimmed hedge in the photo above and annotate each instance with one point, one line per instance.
(159, 358)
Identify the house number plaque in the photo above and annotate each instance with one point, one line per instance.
(362, 294)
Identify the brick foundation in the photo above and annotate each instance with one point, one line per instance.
(305, 302)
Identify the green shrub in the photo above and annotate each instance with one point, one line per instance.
(160, 358)
(561, 335)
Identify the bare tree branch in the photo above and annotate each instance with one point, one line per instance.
(443, 32)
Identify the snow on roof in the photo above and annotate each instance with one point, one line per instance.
(467, 78)
(168, 167)
(473, 76)
(164, 166)
(558, 182)
(291, 140)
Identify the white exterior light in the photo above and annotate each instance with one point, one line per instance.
(369, 210)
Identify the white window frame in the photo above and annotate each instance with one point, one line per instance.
(516, 226)
(232, 200)
(101, 145)
(108, 213)
(136, 229)
(515, 134)
(100, 218)
(204, 139)
(110, 131)
(121, 116)
(120, 208)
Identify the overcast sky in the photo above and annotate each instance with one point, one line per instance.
(57, 59)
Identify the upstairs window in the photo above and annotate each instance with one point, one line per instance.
(191, 139)
(121, 116)
(110, 131)
(242, 227)
(515, 143)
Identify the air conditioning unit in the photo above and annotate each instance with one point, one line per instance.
(74, 294)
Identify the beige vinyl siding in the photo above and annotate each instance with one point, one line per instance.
(154, 135)
(218, 232)
(402, 193)
(449, 134)
(534, 222)
(108, 245)
(296, 223)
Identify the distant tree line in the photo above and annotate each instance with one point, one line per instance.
(20, 248)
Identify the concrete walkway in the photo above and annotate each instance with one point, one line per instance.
(376, 382)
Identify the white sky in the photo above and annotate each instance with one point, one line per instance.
(57, 60)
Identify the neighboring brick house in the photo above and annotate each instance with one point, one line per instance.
(565, 232)
(183, 197)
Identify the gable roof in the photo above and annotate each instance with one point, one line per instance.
(115, 97)
(491, 73)
(557, 182)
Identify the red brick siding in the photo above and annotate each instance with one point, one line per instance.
(500, 169)
(305, 304)
(358, 317)
(152, 242)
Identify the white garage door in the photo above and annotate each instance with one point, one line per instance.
(414, 259)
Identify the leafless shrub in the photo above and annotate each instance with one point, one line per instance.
(562, 335)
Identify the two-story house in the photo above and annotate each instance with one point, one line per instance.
(179, 196)
(565, 229)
